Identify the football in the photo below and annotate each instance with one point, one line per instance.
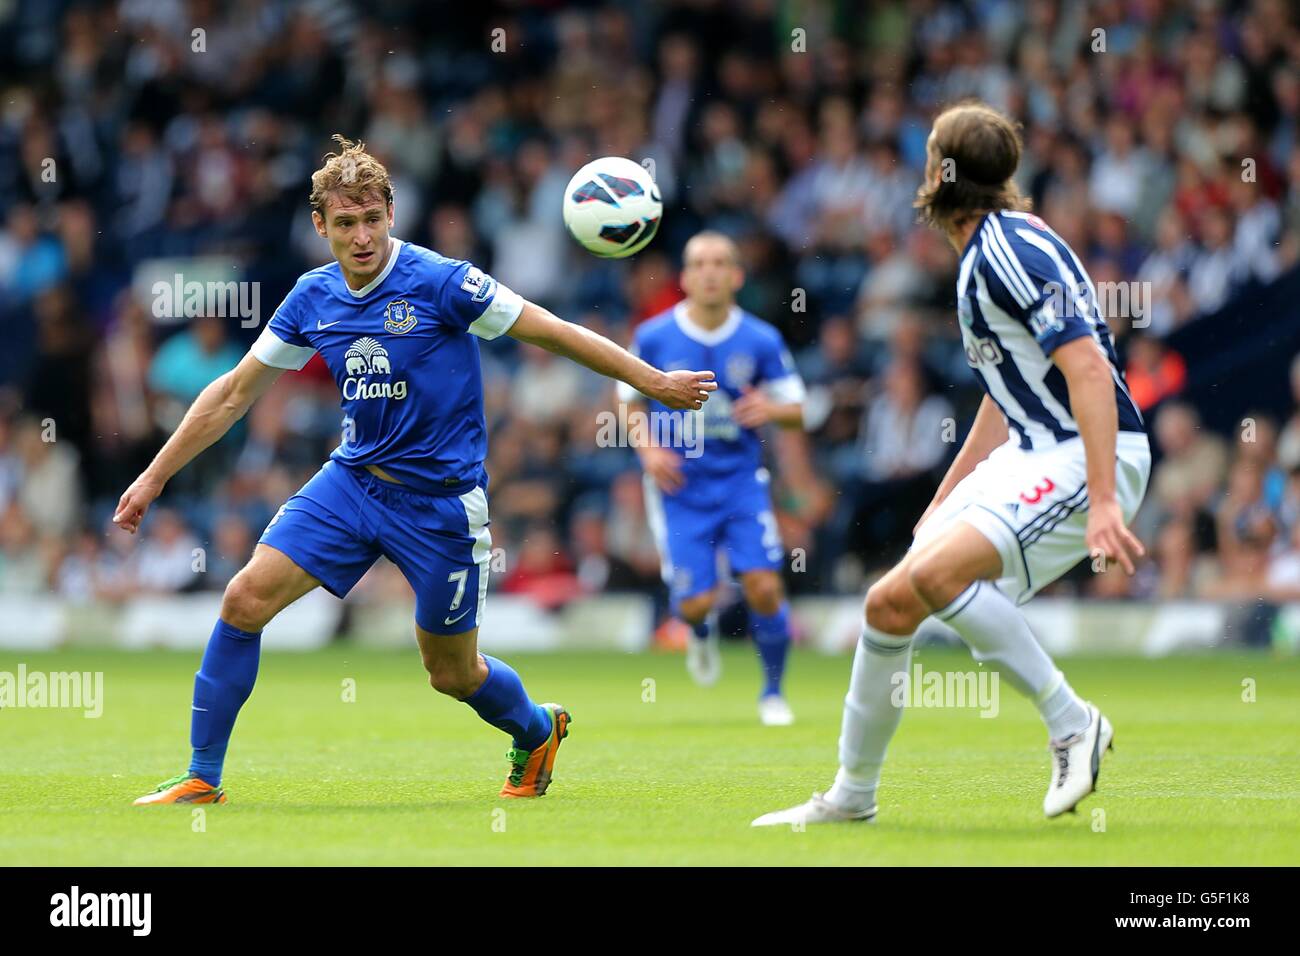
(612, 207)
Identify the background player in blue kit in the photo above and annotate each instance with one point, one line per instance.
(397, 325)
(710, 492)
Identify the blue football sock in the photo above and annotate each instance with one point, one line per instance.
(503, 703)
(701, 629)
(772, 638)
(223, 683)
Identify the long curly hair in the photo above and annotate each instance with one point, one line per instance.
(974, 151)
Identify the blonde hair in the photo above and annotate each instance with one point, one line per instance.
(978, 149)
(351, 171)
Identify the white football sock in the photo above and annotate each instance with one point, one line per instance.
(870, 716)
(1063, 711)
(998, 633)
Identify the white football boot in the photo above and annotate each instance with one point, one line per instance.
(773, 711)
(1076, 761)
(816, 810)
(704, 659)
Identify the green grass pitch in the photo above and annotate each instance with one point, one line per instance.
(404, 776)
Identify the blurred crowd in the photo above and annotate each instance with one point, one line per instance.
(146, 137)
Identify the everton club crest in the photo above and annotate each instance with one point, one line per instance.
(739, 371)
(399, 317)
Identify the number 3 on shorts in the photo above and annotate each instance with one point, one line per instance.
(1045, 487)
(459, 577)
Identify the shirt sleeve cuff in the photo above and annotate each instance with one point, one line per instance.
(500, 314)
(1072, 332)
(275, 352)
(787, 391)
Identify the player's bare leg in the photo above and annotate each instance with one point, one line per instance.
(770, 618)
(703, 656)
(268, 584)
(494, 691)
(452, 661)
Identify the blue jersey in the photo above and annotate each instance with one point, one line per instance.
(1022, 293)
(744, 352)
(404, 353)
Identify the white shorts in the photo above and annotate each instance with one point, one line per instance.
(1033, 506)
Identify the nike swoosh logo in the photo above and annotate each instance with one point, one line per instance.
(452, 620)
(326, 325)
(204, 709)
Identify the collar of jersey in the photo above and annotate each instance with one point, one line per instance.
(378, 280)
(979, 228)
(702, 335)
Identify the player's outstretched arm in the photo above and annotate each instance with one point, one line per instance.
(1092, 399)
(987, 433)
(218, 407)
(682, 389)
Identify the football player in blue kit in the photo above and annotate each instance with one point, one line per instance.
(398, 327)
(707, 491)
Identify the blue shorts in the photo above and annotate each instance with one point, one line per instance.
(344, 518)
(691, 526)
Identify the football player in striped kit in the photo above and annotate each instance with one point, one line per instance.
(1053, 469)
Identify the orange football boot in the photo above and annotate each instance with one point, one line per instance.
(530, 773)
(183, 788)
